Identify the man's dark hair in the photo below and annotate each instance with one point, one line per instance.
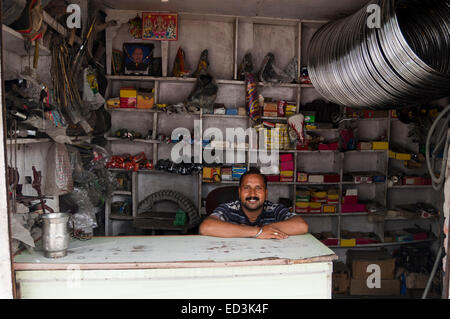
(253, 171)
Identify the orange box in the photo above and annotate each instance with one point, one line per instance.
(145, 101)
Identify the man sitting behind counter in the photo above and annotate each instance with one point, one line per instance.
(252, 215)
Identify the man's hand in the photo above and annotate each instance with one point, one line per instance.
(271, 232)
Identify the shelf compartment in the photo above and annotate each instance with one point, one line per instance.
(14, 42)
(387, 244)
(136, 140)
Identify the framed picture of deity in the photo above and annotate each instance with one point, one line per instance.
(137, 58)
(159, 26)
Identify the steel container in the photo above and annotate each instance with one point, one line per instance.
(55, 234)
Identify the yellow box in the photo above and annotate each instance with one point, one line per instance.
(315, 205)
(392, 154)
(128, 92)
(333, 196)
(207, 173)
(302, 204)
(329, 208)
(113, 103)
(287, 173)
(380, 145)
(145, 101)
(403, 156)
(319, 194)
(348, 242)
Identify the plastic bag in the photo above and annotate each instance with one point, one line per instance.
(84, 219)
(94, 100)
(204, 94)
(58, 178)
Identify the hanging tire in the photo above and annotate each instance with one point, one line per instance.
(178, 198)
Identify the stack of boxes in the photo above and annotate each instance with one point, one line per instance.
(131, 98)
(287, 167)
(270, 109)
(350, 202)
(266, 131)
(227, 174)
(237, 171)
(283, 135)
(310, 120)
(365, 263)
(280, 108)
(211, 174)
(128, 97)
(290, 109)
(316, 202)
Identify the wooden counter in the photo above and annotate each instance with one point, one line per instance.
(179, 267)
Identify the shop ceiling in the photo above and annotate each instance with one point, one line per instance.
(291, 9)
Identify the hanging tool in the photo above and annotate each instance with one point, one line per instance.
(37, 177)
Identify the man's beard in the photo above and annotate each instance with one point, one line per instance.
(251, 208)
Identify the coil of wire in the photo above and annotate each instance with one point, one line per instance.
(404, 61)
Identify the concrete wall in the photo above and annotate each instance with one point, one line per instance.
(5, 252)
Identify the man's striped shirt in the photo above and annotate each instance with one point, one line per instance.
(232, 212)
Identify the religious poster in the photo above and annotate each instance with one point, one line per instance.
(159, 26)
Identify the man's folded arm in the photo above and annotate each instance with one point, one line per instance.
(292, 226)
(213, 226)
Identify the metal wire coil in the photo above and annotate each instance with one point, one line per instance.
(404, 62)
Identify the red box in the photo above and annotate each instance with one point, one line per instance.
(273, 178)
(128, 102)
(353, 208)
(330, 242)
(420, 236)
(366, 241)
(328, 147)
(368, 113)
(351, 200)
(302, 147)
(286, 157)
(287, 166)
(331, 178)
(286, 179)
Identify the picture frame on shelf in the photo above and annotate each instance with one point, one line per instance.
(117, 62)
(137, 58)
(159, 26)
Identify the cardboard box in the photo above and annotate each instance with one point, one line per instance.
(389, 287)
(270, 106)
(270, 114)
(359, 260)
(315, 178)
(416, 280)
(340, 278)
(145, 101)
(364, 146)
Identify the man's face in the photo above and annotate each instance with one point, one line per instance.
(252, 192)
(138, 55)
